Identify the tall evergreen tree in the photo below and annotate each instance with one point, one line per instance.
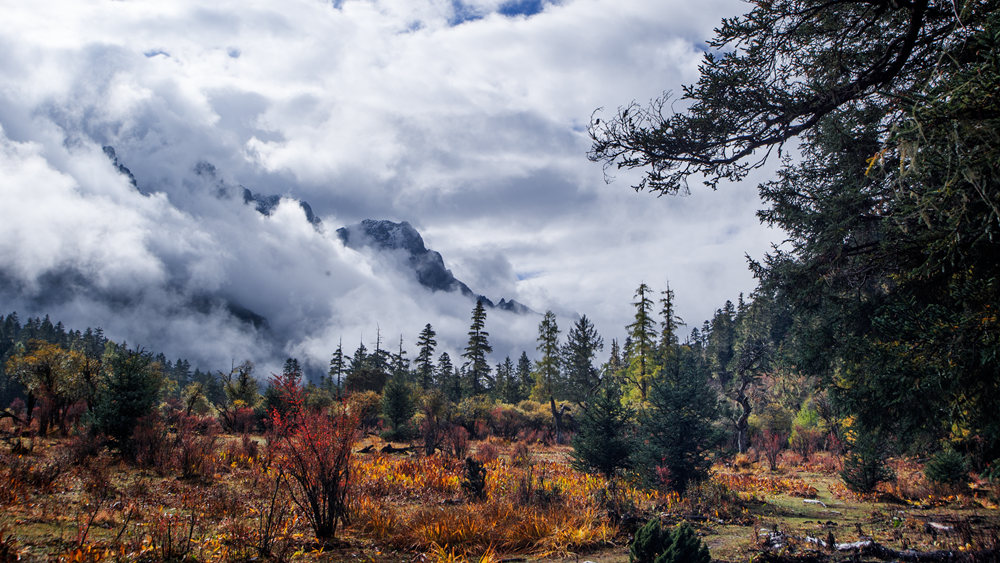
(582, 345)
(548, 368)
(506, 389)
(670, 322)
(751, 354)
(398, 404)
(338, 366)
(676, 428)
(358, 370)
(400, 364)
(721, 343)
(425, 357)
(642, 334)
(477, 368)
(525, 381)
(128, 391)
(605, 441)
(448, 378)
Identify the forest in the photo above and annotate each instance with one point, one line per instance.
(845, 410)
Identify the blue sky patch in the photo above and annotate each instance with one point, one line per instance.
(521, 7)
(463, 13)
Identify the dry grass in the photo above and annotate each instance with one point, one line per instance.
(417, 504)
(412, 507)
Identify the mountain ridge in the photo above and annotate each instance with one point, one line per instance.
(380, 235)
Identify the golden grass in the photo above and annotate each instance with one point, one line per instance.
(407, 507)
(543, 509)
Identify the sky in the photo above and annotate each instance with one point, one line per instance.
(465, 118)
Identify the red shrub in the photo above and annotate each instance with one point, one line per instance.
(313, 450)
(486, 452)
(770, 443)
(195, 451)
(521, 455)
(244, 452)
(805, 441)
(506, 421)
(457, 440)
(150, 444)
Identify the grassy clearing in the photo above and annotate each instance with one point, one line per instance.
(409, 507)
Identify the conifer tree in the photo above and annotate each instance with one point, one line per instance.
(670, 323)
(425, 357)
(548, 366)
(477, 368)
(334, 381)
(721, 343)
(400, 364)
(524, 378)
(582, 345)
(605, 441)
(642, 335)
(448, 379)
(614, 367)
(367, 372)
(506, 389)
(128, 391)
(676, 428)
(890, 206)
(398, 404)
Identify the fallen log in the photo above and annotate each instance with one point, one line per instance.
(867, 547)
(390, 449)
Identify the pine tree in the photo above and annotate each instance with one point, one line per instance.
(477, 368)
(448, 379)
(614, 367)
(335, 376)
(400, 364)
(670, 323)
(129, 390)
(582, 345)
(506, 389)
(721, 343)
(642, 335)
(367, 372)
(292, 369)
(548, 367)
(676, 428)
(605, 440)
(398, 404)
(425, 357)
(523, 376)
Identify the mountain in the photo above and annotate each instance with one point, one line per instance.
(428, 265)
(265, 204)
(109, 151)
(379, 235)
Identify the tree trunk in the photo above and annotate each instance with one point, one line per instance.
(557, 417)
(742, 422)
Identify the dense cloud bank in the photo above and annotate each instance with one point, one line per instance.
(466, 119)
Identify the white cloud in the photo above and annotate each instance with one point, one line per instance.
(376, 108)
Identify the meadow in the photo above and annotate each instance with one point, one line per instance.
(220, 497)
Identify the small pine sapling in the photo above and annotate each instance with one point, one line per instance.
(474, 483)
(655, 544)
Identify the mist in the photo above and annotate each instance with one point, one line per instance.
(464, 119)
